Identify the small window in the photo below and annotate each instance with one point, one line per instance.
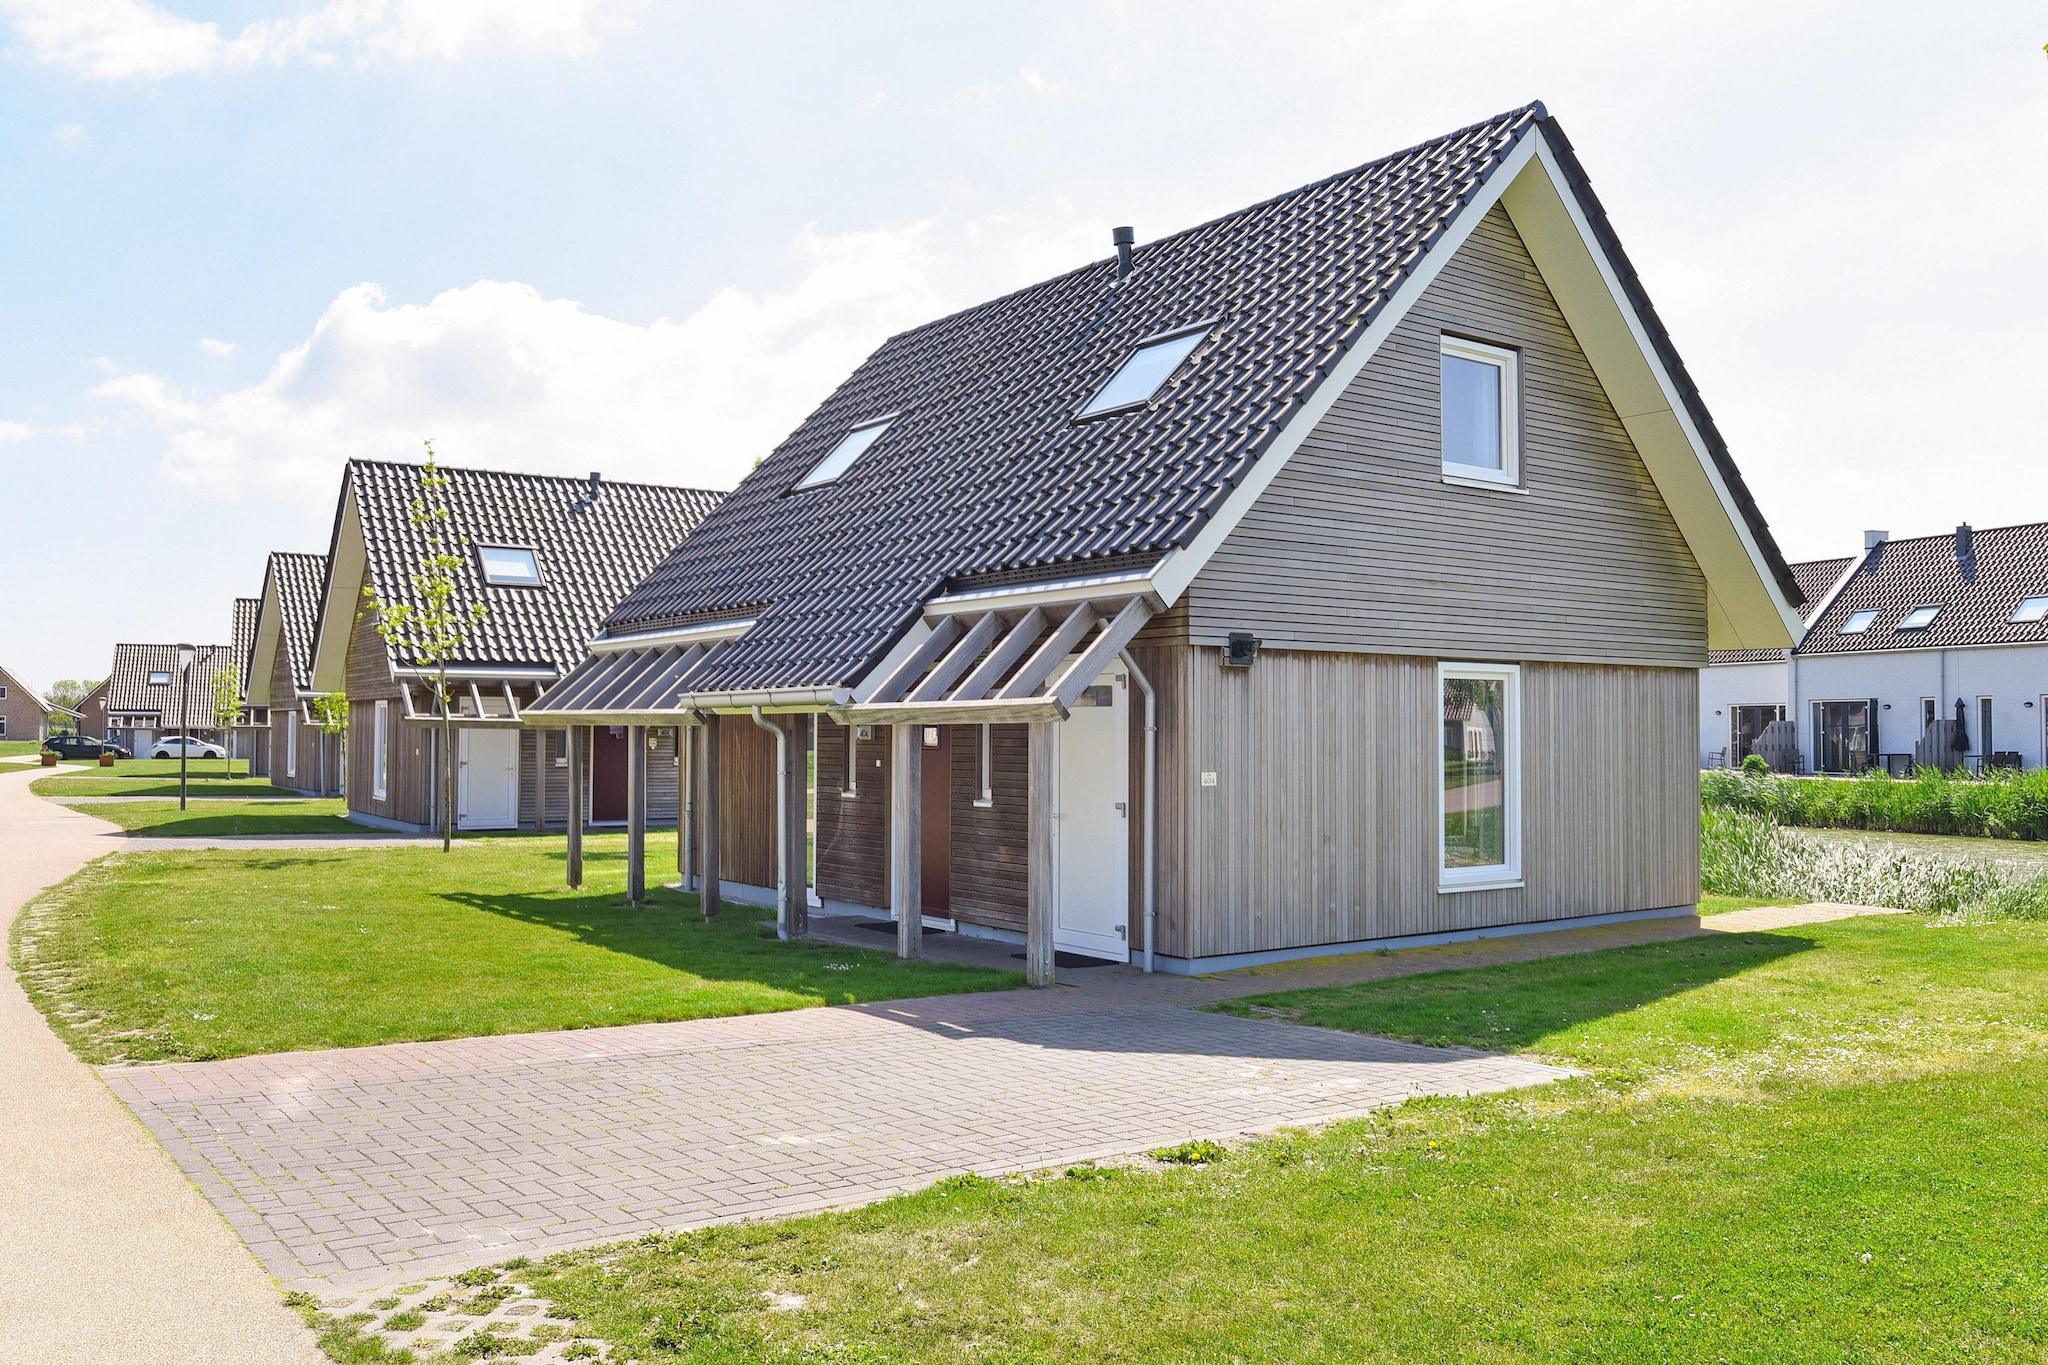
(2033, 609)
(1479, 836)
(1920, 618)
(1480, 404)
(291, 744)
(509, 566)
(851, 447)
(160, 679)
(984, 784)
(380, 763)
(3, 691)
(1858, 622)
(1143, 374)
(851, 787)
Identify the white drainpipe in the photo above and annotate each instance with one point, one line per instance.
(1151, 795)
(781, 819)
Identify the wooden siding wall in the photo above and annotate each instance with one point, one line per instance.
(1322, 825)
(315, 746)
(853, 831)
(409, 778)
(1359, 544)
(746, 818)
(549, 749)
(990, 843)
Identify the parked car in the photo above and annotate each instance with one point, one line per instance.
(194, 748)
(82, 746)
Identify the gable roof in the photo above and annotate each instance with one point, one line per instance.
(42, 703)
(244, 637)
(1814, 577)
(130, 692)
(985, 477)
(297, 580)
(1976, 592)
(590, 552)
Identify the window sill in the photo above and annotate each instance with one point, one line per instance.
(1495, 485)
(1512, 883)
(849, 796)
(985, 805)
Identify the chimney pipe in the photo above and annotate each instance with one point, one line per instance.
(595, 478)
(1965, 550)
(589, 499)
(1873, 539)
(1123, 237)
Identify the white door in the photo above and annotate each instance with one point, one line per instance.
(487, 785)
(1091, 830)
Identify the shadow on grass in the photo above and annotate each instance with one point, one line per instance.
(1520, 1005)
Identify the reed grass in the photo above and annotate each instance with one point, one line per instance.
(2000, 805)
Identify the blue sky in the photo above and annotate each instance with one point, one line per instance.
(242, 243)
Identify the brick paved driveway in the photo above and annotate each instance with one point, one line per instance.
(366, 1166)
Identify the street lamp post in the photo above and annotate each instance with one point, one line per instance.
(185, 655)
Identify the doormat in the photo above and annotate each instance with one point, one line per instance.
(888, 926)
(1063, 958)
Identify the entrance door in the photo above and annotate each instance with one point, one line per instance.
(1745, 727)
(936, 837)
(608, 775)
(487, 784)
(1845, 735)
(1091, 838)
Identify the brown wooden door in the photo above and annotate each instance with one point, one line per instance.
(937, 744)
(608, 774)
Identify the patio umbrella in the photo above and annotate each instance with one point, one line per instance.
(1962, 739)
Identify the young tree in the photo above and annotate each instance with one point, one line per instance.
(69, 692)
(227, 709)
(330, 714)
(433, 627)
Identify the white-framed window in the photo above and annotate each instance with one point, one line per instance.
(1479, 775)
(509, 566)
(1144, 372)
(3, 691)
(2029, 610)
(1480, 405)
(160, 678)
(380, 755)
(851, 787)
(985, 768)
(3, 727)
(851, 447)
(1858, 622)
(1920, 618)
(291, 744)
(1984, 744)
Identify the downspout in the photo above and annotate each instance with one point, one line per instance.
(1151, 796)
(781, 820)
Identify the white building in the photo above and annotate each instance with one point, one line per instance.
(1896, 637)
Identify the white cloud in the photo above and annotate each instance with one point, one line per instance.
(500, 377)
(215, 346)
(15, 431)
(136, 40)
(69, 134)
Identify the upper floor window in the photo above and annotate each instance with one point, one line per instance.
(1481, 401)
(509, 566)
(1858, 622)
(1144, 373)
(160, 679)
(1920, 618)
(2032, 609)
(851, 447)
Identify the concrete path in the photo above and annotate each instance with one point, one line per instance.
(107, 1253)
(367, 1166)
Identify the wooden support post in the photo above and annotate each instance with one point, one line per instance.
(795, 865)
(707, 854)
(540, 780)
(1039, 889)
(636, 814)
(577, 741)
(906, 839)
(686, 792)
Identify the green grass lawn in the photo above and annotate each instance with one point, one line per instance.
(1814, 1145)
(165, 956)
(213, 817)
(99, 782)
(20, 748)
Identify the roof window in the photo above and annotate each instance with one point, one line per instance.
(1858, 623)
(2033, 609)
(509, 566)
(160, 678)
(1143, 374)
(851, 447)
(1920, 618)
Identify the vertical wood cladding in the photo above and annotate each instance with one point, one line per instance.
(548, 750)
(1359, 544)
(853, 829)
(1322, 825)
(990, 843)
(746, 825)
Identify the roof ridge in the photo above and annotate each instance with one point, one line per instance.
(1974, 530)
(576, 480)
(1097, 263)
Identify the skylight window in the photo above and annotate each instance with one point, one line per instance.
(1858, 623)
(2033, 609)
(159, 679)
(1920, 618)
(851, 447)
(509, 566)
(1141, 376)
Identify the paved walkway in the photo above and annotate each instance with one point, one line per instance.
(106, 1252)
